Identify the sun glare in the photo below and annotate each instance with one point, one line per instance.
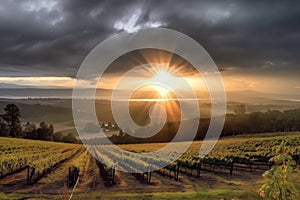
(162, 77)
(163, 92)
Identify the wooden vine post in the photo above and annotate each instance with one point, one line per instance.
(149, 175)
(199, 169)
(231, 167)
(113, 175)
(28, 175)
(73, 176)
(177, 168)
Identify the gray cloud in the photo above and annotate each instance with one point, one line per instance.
(46, 37)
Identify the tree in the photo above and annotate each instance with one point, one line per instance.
(278, 184)
(44, 132)
(51, 129)
(12, 118)
(30, 131)
(57, 137)
(4, 130)
(70, 138)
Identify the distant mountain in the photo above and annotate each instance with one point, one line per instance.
(12, 86)
(31, 92)
(250, 96)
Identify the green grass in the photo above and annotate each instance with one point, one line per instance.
(210, 194)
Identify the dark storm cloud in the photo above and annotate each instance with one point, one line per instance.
(241, 33)
(41, 38)
(53, 37)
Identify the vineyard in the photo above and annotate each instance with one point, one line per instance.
(18, 154)
(50, 170)
(239, 154)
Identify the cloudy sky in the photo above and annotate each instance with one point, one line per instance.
(255, 43)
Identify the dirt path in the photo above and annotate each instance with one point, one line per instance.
(14, 181)
(90, 179)
(17, 182)
(127, 183)
(54, 182)
(212, 180)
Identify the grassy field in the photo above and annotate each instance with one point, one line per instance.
(92, 185)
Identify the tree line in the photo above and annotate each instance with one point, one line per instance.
(235, 124)
(261, 122)
(11, 126)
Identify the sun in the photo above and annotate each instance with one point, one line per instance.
(162, 78)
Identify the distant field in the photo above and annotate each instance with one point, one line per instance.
(52, 161)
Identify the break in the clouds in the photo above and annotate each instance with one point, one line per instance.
(51, 38)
